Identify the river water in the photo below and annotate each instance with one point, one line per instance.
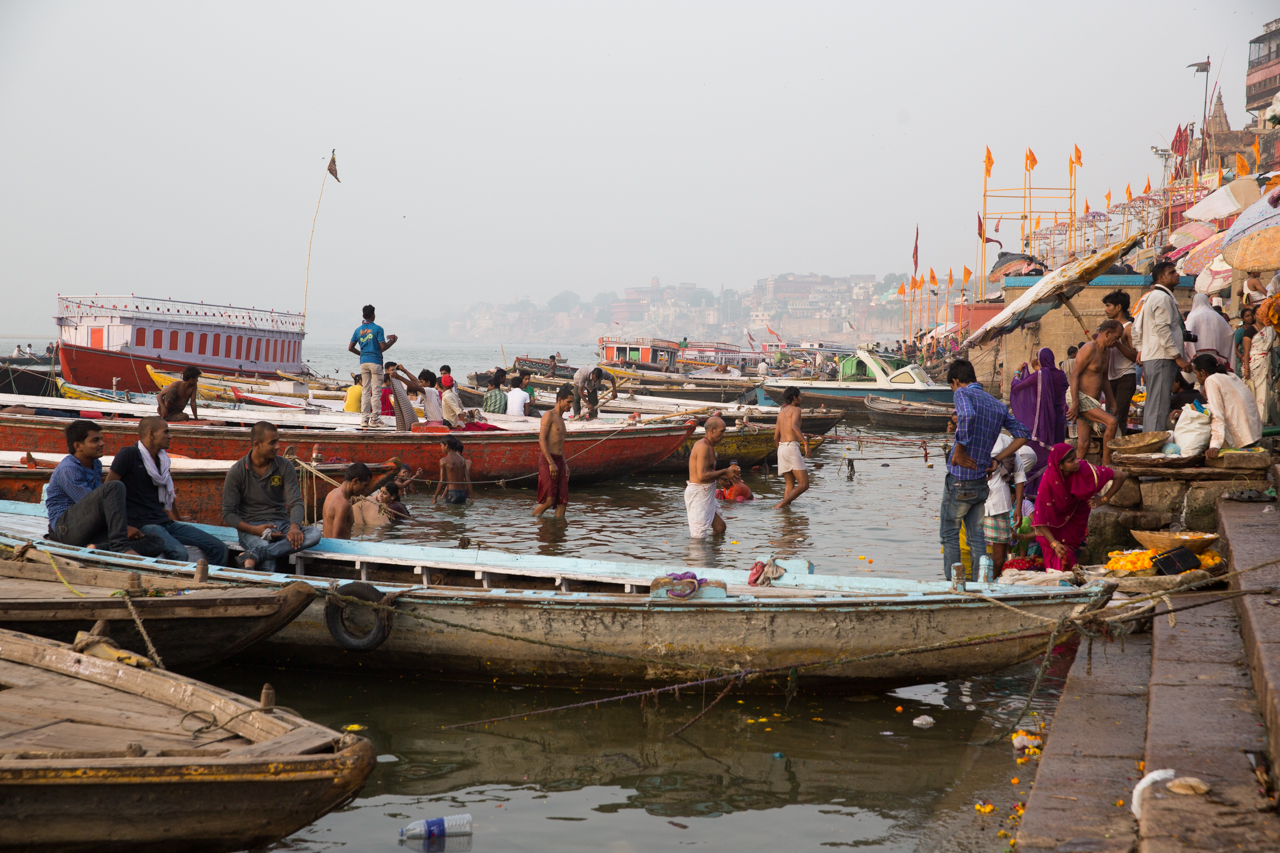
(823, 772)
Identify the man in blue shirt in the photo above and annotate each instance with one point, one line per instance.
(151, 501)
(979, 419)
(82, 509)
(368, 342)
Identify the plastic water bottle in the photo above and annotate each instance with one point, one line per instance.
(438, 827)
(986, 570)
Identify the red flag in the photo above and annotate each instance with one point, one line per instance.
(333, 164)
(997, 231)
(982, 234)
(772, 332)
(750, 338)
(915, 253)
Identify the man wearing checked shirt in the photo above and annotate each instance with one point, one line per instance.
(978, 420)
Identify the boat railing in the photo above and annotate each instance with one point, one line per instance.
(614, 340)
(75, 307)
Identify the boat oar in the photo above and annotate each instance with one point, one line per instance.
(679, 414)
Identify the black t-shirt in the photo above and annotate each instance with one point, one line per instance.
(142, 497)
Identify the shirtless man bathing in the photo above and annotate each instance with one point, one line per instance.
(177, 395)
(455, 474)
(700, 492)
(789, 438)
(338, 514)
(553, 471)
(1090, 388)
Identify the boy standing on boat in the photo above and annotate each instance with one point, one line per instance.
(979, 419)
(176, 395)
(338, 514)
(151, 501)
(700, 492)
(455, 474)
(261, 500)
(553, 471)
(789, 438)
(368, 341)
(1091, 388)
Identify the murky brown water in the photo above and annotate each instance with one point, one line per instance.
(824, 772)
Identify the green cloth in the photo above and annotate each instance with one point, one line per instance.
(495, 401)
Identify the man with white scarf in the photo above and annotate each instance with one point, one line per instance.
(151, 501)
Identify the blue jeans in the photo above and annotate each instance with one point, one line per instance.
(962, 500)
(265, 554)
(176, 536)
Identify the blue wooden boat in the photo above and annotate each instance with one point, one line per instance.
(484, 615)
(860, 375)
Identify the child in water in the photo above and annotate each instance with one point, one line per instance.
(733, 489)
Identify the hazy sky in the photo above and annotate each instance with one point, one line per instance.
(493, 151)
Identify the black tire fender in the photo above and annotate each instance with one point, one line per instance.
(339, 630)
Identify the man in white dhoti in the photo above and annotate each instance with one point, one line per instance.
(790, 439)
(700, 492)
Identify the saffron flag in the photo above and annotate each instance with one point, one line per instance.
(933, 279)
(1242, 165)
(1128, 192)
(1219, 174)
(1147, 188)
(902, 289)
(987, 163)
(967, 274)
(772, 332)
(333, 164)
(951, 279)
(1079, 161)
(1086, 207)
(1071, 168)
(915, 253)
(1055, 217)
(1031, 160)
(1037, 228)
(1195, 180)
(1108, 198)
(1257, 152)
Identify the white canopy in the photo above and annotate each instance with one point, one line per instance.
(1225, 201)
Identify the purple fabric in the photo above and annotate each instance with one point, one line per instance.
(1040, 402)
(687, 590)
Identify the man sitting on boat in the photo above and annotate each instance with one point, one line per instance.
(82, 509)
(151, 501)
(262, 502)
(176, 395)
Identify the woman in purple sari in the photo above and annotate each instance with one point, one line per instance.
(1039, 401)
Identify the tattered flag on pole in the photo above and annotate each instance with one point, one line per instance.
(333, 164)
(915, 253)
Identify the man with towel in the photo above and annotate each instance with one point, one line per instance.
(150, 499)
(700, 492)
(553, 470)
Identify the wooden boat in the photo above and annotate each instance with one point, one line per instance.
(472, 614)
(812, 421)
(865, 373)
(223, 389)
(901, 414)
(191, 625)
(749, 445)
(594, 452)
(23, 477)
(96, 754)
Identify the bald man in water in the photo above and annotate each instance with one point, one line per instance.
(700, 492)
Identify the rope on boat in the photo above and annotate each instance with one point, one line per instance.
(146, 638)
(211, 719)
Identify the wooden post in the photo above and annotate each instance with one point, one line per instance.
(202, 571)
(268, 699)
(1075, 313)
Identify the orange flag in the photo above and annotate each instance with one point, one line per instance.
(1147, 188)
(1257, 153)
(951, 279)
(1071, 167)
(1108, 198)
(1195, 180)
(987, 163)
(1086, 207)
(1219, 174)
(1031, 160)
(1079, 161)
(1055, 217)
(1037, 228)
(1128, 192)
(966, 275)
(902, 289)
(1242, 165)
(933, 279)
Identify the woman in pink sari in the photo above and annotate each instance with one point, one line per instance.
(1069, 490)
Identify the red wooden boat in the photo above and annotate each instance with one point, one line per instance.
(255, 400)
(497, 455)
(199, 483)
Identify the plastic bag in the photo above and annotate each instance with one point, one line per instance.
(1192, 431)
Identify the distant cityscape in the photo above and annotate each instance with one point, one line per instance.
(851, 308)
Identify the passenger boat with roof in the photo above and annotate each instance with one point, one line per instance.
(860, 375)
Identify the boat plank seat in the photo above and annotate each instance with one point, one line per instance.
(89, 740)
(300, 741)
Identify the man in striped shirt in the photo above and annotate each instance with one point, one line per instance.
(979, 418)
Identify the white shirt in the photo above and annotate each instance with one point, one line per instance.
(1157, 327)
(762, 369)
(431, 410)
(1120, 365)
(517, 398)
(999, 495)
(452, 405)
(1234, 420)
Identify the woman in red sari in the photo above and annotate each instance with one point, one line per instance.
(1069, 489)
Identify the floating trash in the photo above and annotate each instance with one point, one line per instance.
(922, 722)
